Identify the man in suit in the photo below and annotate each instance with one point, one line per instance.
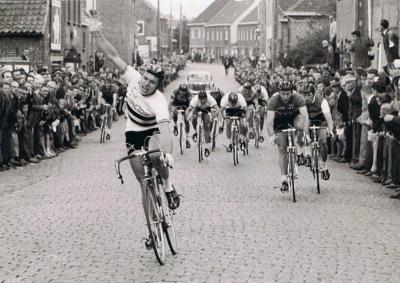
(359, 47)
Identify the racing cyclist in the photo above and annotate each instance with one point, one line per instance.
(252, 105)
(319, 114)
(285, 108)
(147, 113)
(108, 94)
(263, 97)
(234, 104)
(180, 98)
(218, 95)
(203, 103)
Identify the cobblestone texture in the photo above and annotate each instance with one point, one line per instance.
(69, 220)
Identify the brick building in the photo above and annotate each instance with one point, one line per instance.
(146, 36)
(248, 35)
(37, 33)
(365, 16)
(197, 29)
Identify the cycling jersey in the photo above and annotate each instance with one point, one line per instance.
(241, 103)
(218, 97)
(248, 96)
(285, 113)
(108, 94)
(317, 109)
(179, 99)
(144, 112)
(210, 103)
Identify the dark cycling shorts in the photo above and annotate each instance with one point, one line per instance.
(261, 102)
(234, 112)
(251, 102)
(201, 110)
(136, 140)
(282, 123)
(180, 104)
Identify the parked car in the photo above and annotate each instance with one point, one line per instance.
(198, 81)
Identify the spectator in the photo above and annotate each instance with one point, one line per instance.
(390, 41)
(359, 48)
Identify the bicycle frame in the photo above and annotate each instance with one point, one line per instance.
(291, 149)
(104, 123)
(235, 139)
(316, 154)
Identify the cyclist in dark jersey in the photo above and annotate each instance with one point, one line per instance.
(180, 98)
(109, 95)
(218, 94)
(284, 109)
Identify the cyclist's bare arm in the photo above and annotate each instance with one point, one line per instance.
(328, 118)
(115, 99)
(109, 50)
(304, 114)
(270, 123)
(165, 137)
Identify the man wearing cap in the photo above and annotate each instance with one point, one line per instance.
(390, 41)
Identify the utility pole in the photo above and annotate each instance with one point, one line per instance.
(171, 44)
(158, 30)
(274, 33)
(180, 28)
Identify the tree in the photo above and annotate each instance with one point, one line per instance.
(308, 50)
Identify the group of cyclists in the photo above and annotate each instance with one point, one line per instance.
(291, 106)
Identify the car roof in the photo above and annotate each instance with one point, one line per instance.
(199, 73)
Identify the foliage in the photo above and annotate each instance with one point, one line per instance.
(308, 50)
(185, 36)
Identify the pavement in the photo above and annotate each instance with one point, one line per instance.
(69, 219)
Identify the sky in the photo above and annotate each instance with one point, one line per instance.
(190, 8)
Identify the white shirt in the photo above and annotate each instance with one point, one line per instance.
(144, 112)
(241, 103)
(211, 102)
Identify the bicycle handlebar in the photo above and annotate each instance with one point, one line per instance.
(137, 154)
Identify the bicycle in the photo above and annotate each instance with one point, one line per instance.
(104, 119)
(292, 166)
(235, 139)
(181, 129)
(256, 129)
(200, 135)
(159, 218)
(316, 155)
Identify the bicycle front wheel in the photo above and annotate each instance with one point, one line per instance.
(181, 139)
(214, 135)
(154, 222)
(316, 167)
(291, 173)
(235, 147)
(103, 130)
(200, 143)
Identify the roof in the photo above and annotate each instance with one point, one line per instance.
(285, 4)
(209, 12)
(251, 17)
(230, 12)
(23, 17)
(322, 7)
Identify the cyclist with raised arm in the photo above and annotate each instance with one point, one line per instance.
(285, 108)
(180, 98)
(108, 94)
(319, 114)
(147, 112)
(203, 104)
(252, 105)
(233, 104)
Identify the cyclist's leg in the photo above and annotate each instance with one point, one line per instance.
(207, 128)
(174, 115)
(323, 143)
(250, 118)
(243, 127)
(282, 143)
(194, 121)
(262, 118)
(109, 118)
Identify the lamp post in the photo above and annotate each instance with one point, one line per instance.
(158, 30)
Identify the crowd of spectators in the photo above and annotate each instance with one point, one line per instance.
(43, 114)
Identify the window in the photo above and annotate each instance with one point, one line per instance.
(208, 35)
(212, 35)
(83, 41)
(217, 35)
(251, 34)
(226, 35)
(68, 11)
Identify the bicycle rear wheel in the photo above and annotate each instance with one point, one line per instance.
(291, 174)
(181, 139)
(154, 222)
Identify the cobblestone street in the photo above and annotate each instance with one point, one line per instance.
(69, 219)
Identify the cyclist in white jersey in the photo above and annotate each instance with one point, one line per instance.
(147, 111)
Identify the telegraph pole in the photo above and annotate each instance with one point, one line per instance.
(171, 44)
(274, 33)
(180, 28)
(158, 30)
